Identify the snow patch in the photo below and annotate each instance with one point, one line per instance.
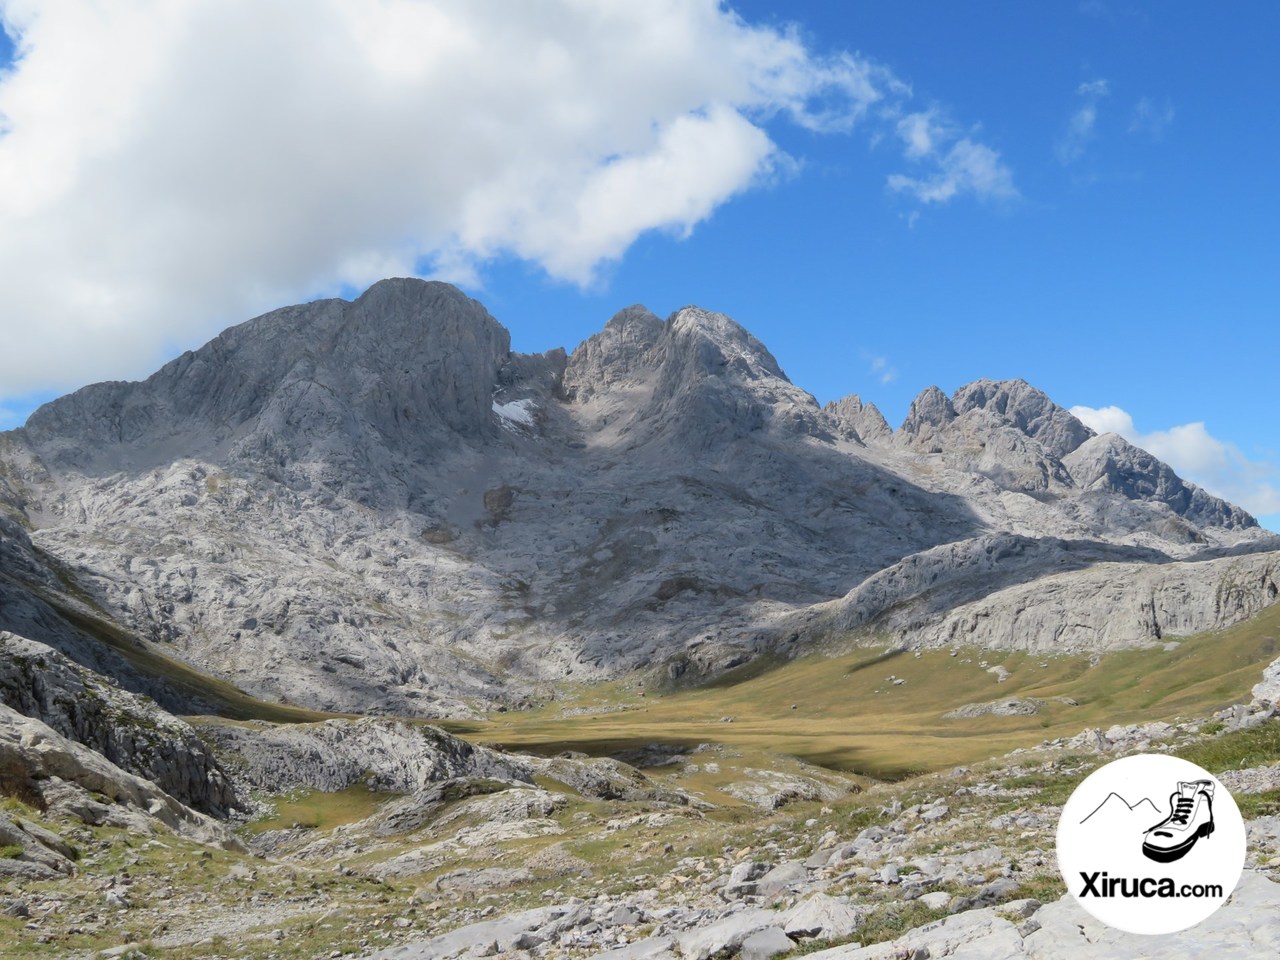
(515, 412)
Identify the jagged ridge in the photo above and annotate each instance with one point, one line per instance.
(376, 506)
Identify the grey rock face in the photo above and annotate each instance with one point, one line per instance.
(1112, 464)
(1268, 690)
(725, 935)
(503, 933)
(1028, 410)
(819, 915)
(856, 420)
(43, 767)
(32, 583)
(498, 802)
(332, 381)
(929, 414)
(766, 943)
(1005, 430)
(1053, 595)
(605, 779)
(615, 355)
(387, 754)
(771, 789)
(1110, 606)
(133, 734)
(375, 507)
(1241, 929)
(44, 855)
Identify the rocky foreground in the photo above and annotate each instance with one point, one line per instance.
(443, 849)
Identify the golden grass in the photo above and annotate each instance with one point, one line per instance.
(322, 811)
(848, 716)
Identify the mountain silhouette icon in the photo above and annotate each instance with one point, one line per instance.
(1117, 807)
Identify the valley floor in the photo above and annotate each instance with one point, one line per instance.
(746, 815)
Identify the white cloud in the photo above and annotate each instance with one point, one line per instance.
(1081, 127)
(165, 169)
(965, 167)
(1150, 118)
(1196, 455)
(168, 168)
(921, 134)
(1107, 420)
(696, 163)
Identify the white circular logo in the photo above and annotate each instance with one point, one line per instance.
(1151, 844)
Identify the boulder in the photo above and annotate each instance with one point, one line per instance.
(822, 917)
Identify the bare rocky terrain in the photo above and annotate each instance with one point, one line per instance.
(374, 506)
(248, 604)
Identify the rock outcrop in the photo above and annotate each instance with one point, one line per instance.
(389, 755)
(41, 767)
(856, 420)
(131, 732)
(1111, 464)
(1012, 592)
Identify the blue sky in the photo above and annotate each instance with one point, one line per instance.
(1109, 235)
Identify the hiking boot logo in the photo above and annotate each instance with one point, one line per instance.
(1126, 855)
(1190, 818)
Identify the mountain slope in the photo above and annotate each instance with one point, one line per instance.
(375, 506)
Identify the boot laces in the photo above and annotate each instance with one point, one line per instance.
(1183, 810)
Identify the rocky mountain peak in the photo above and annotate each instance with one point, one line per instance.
(617, 353)
(929, 412)
(857, 420)
(636, 322)
(1108, 463)
(698, 380)
(374, 501)
(1022, 406)
(716, 343)
(408, 356)
(716, 383)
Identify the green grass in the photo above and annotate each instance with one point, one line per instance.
(315, 810)
(848, 717)
(1263, 804)
(1255, 747)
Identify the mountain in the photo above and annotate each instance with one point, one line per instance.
(376, 506)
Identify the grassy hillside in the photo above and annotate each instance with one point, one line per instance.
(224, 698)
(844, 712)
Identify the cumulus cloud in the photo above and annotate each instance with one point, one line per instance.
(1081, 127)
(168, 168)
(1196, 455)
